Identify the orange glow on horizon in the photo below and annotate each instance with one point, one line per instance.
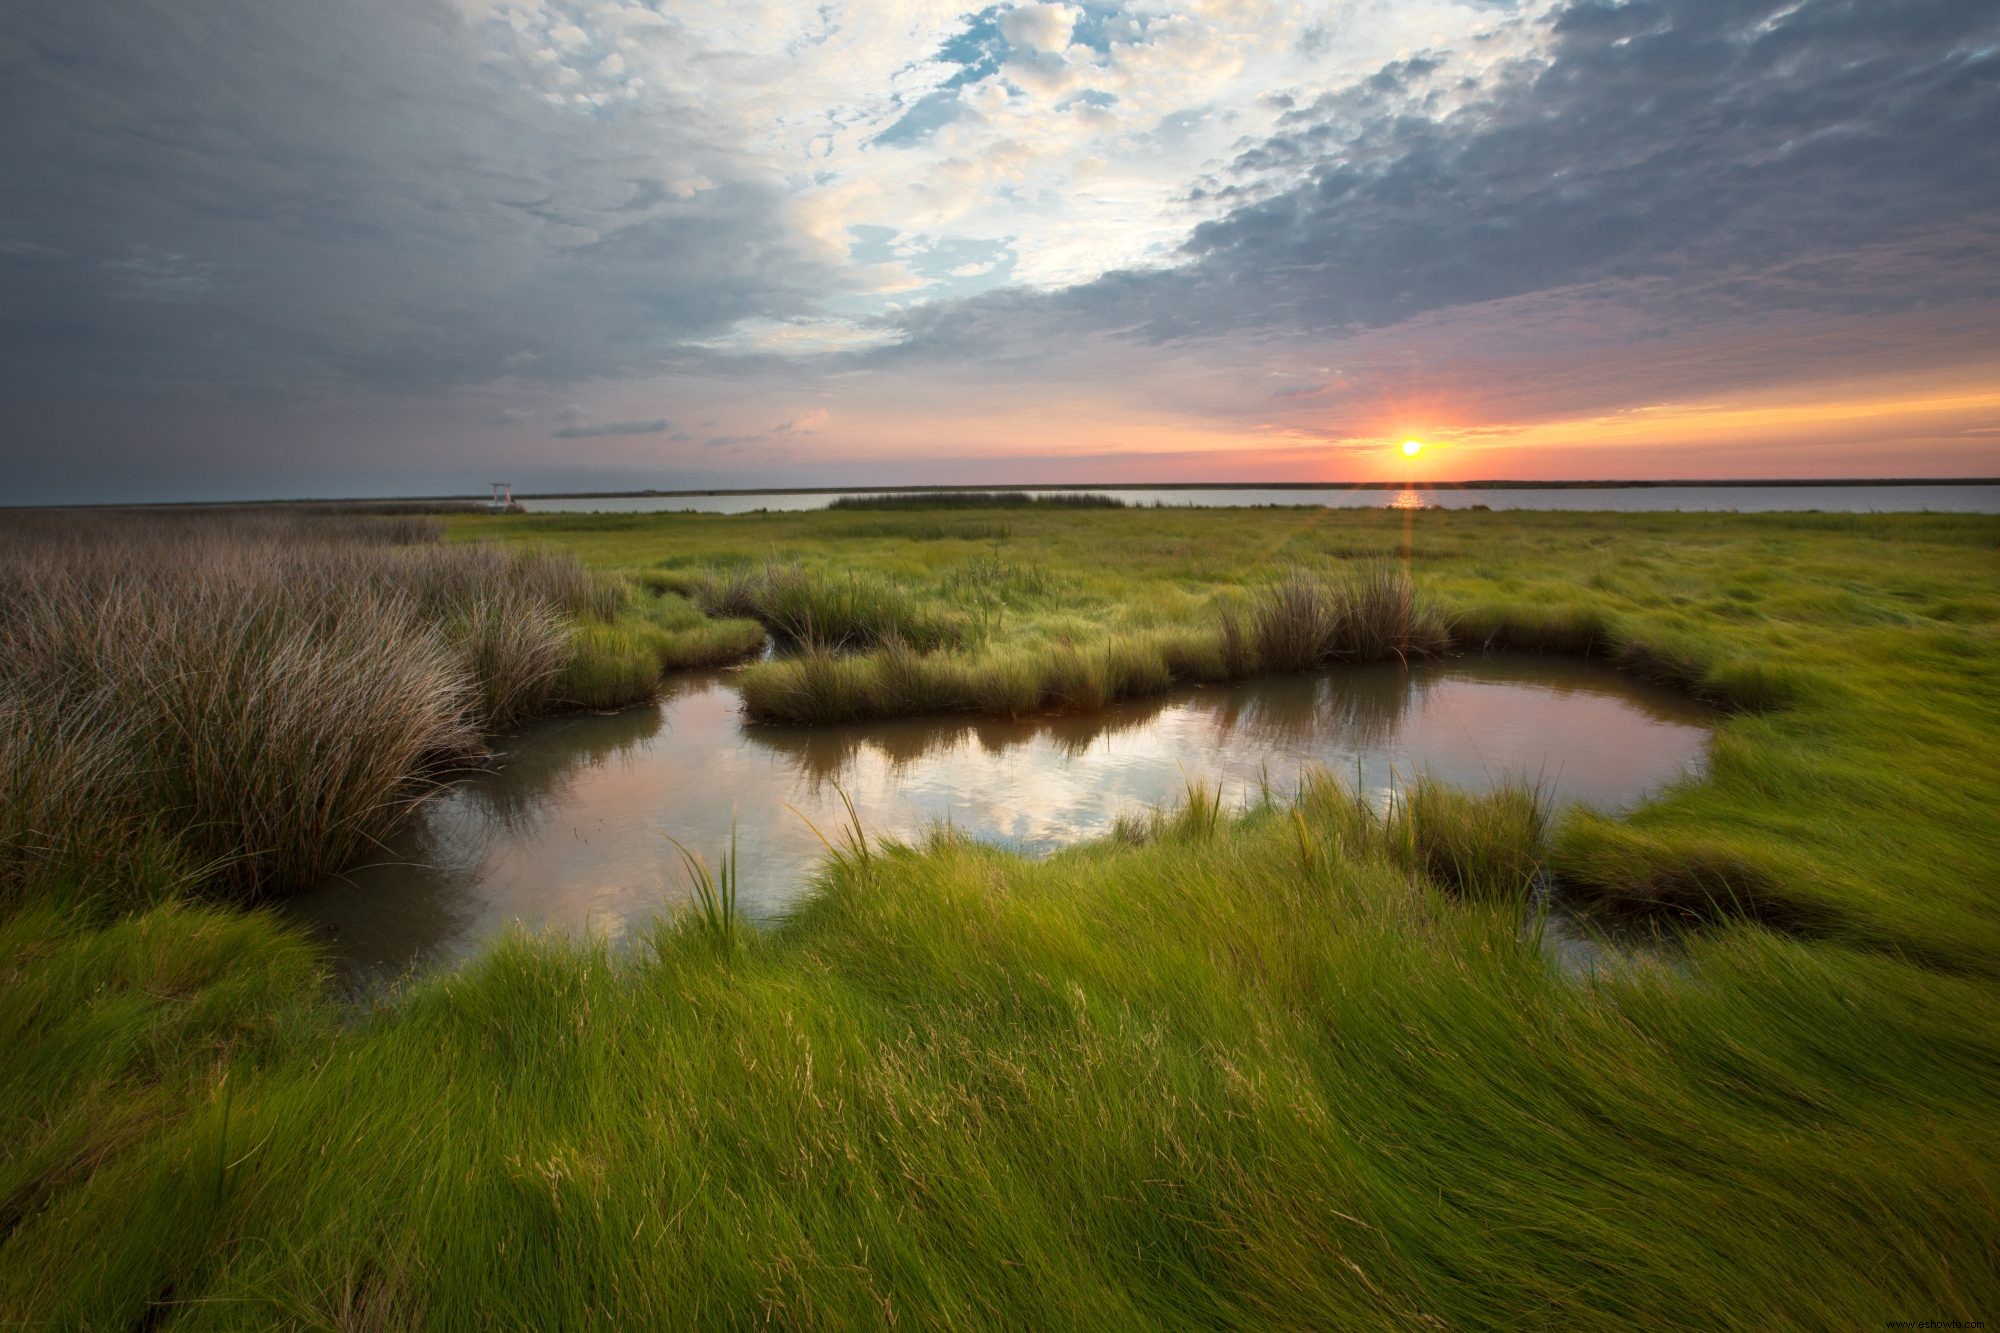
(1941, 423)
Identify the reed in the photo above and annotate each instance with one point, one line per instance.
(1302, 621)
(819, 610)
(609, 666)
(1367, 612)
(715, 891)
(260, 693)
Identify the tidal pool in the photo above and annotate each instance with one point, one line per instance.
(568, 828)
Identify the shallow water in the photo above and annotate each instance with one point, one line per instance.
(1632, 499)
(570, 826)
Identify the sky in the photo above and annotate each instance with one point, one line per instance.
(264, 248)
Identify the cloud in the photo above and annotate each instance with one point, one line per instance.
(601, 429)
(253, 240)
(1766, 160)
(235, 200)
(806, 423)
(1039, 27)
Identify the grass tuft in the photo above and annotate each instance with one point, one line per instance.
(715, 914)
(1368, 613)
(255, 695)
(610, 666)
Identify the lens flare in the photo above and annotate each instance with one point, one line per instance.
(1411, 448)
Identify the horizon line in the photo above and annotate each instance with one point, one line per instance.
(1504, 483)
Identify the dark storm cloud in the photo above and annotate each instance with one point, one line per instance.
(229, 199)
(602, 429)
(1831, 156)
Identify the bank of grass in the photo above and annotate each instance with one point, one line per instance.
(1303, 1068)
(816, 609)
(1262, 1072)
(1850, 790)
(873, 647)
(250, 698)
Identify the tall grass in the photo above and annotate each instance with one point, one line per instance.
(817, 610)
(1363, 613)
(1251, 1073)
(1304, 1067)
(1305, 620)
(259, 691)
(715, 913)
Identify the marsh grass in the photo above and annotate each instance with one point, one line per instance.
(1256, 1042)
(1299, 1066)
(1304, 620)
(818, 610)
(1851, 652)
(714, 914)
(609, 666)
(917, 530)
(1366, 612)
(255, 695)
(849, 852)
(683, 637)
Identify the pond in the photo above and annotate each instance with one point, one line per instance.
(568, 828)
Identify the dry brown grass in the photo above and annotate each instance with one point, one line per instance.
(254, 696)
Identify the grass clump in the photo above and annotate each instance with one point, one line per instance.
(1485, 846)
(715, 915)
(1301, 622)
(516, 645)
(1309, 619)
(255, 695)
(610, 666)
(684, 638)
(815, 609)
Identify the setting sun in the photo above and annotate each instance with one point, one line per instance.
(1411, 448)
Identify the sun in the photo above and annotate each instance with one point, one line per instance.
(1411, 448)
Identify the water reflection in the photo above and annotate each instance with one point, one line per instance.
(523, 779)
(566, 828)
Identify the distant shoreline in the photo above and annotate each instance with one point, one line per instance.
(1254, 486)
(1493, 485)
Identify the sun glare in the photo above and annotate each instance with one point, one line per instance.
(1411, 448)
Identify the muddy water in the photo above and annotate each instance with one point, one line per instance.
(569, 827)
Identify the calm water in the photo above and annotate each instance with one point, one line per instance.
(568, 829)
(1743, 499)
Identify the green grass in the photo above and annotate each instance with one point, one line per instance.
(817, 609)
(252, 697)
(1302, 1068)
(1846, 794)
(1203, 1080)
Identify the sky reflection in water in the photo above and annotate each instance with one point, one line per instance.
(569, 828)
